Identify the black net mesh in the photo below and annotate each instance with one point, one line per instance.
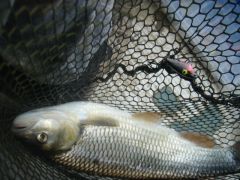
(56, 51)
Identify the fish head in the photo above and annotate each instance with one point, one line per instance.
(51, 130)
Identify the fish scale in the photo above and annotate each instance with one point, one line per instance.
(131, 152)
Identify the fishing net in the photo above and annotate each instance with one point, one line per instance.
(57, 51)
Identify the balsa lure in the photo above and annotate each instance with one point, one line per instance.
(183, 69)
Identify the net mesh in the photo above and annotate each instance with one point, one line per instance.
(56, 51)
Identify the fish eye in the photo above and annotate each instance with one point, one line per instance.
(184, 72)
(42, 137)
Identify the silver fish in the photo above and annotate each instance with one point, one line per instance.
(96, 138)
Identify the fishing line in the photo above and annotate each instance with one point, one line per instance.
(168, 65)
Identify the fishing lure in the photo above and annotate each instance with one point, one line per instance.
(174, 66)
(183, 69)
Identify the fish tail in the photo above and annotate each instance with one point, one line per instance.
(235, 149)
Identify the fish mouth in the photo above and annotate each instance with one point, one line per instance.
(20, 130)
(19, 127)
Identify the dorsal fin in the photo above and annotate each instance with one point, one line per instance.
(153, 117)
(199, 139)
(100, 121)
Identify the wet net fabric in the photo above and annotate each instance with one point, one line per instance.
(56, 51)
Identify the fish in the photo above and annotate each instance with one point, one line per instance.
(100, 139)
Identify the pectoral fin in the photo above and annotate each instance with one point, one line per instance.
(199, 139)
(153, 117)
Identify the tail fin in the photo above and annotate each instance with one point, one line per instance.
(236, 153)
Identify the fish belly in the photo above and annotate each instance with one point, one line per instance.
(130, 151)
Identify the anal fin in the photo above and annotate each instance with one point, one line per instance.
(199, 139)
